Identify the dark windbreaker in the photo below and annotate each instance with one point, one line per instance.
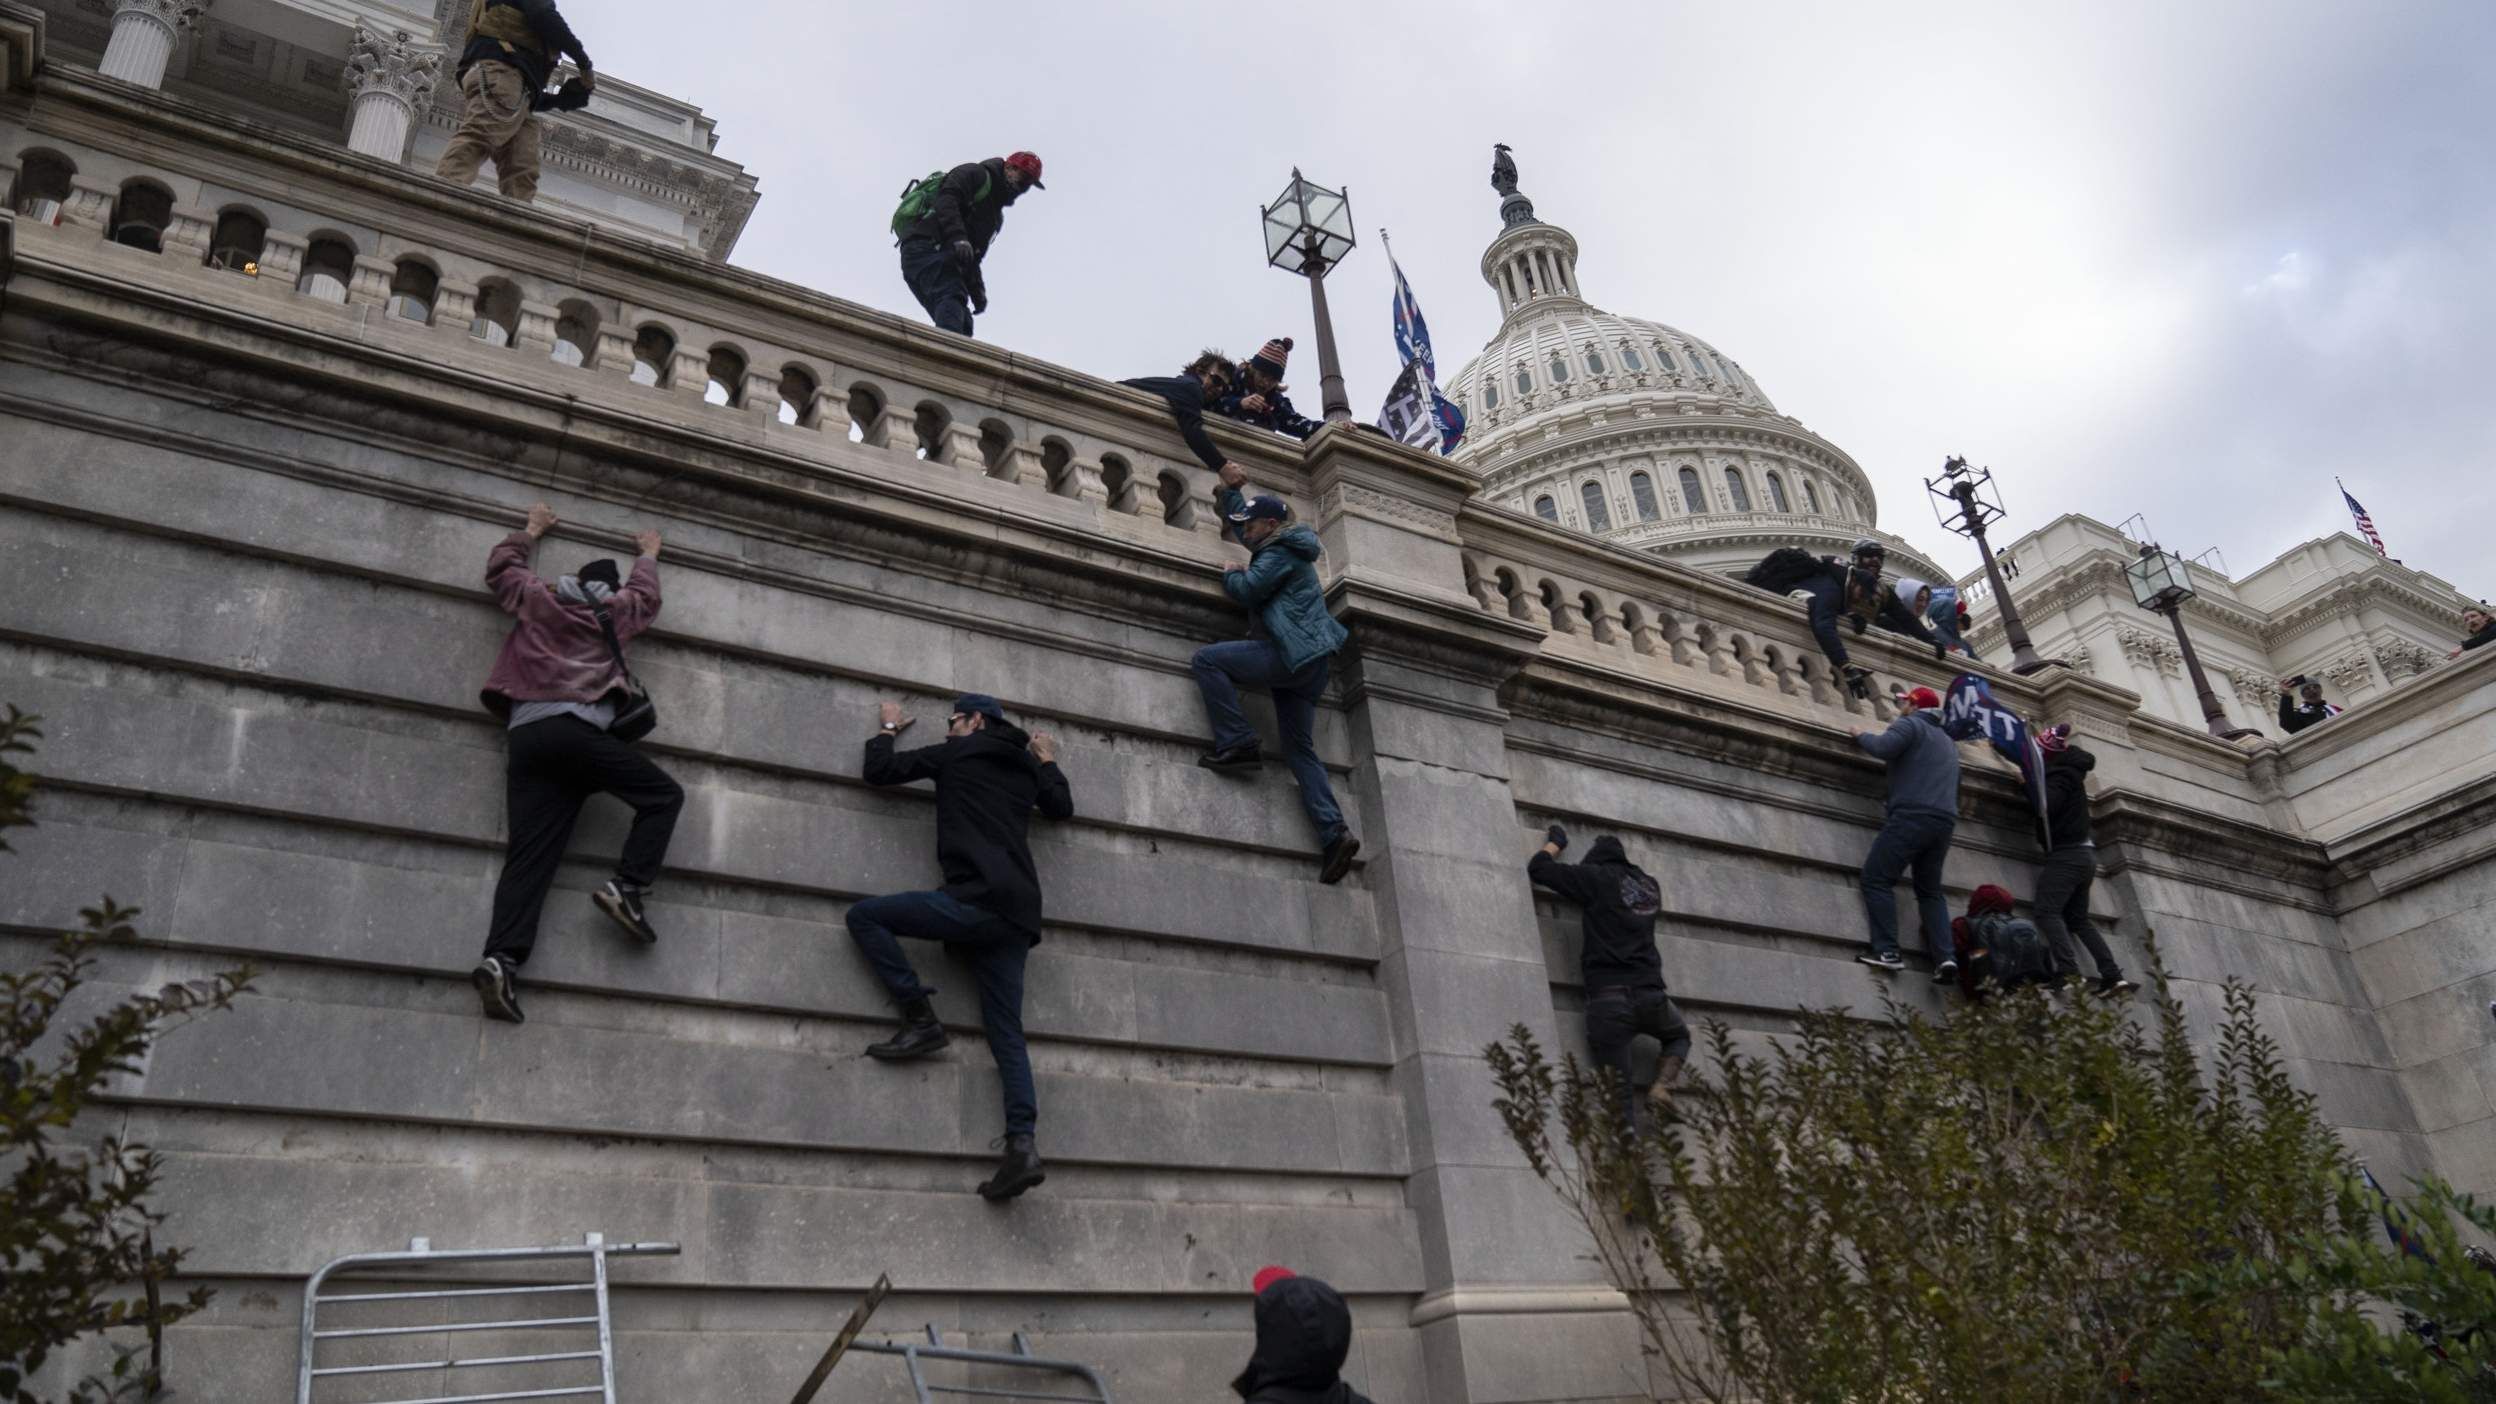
(1304, 1334)
(987, 785)
(1617, 903)
(2067, 795)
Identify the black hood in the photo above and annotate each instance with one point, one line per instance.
(1606, 849)
(1304, 1334)
(2071, 758)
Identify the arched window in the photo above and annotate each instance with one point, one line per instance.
(726, 378)
(1629, 358)
(1811, 499)
(1598, 515)
(1559, 368)
(412, 287)
(1642, 496)
(1525, 380)
(328, 267)
(498, 313)
(798, 397)
(1594, 361)
(576, 334)
(1692, 497)
(654, 350)
(43, 185)
(1736, 491)
(1490, 393)
(1546, 509)
(1699, 363)
(240, 236)
(1776, 494)
(142, 214)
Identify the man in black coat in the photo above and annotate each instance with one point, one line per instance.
(989, 778)
(942, 251)
(2308, 707)
(511, 51)
(2070, 868)
(1304, 1334)
(1851, 589)
(1200, 385)
(1632, 1027)
(2481, 627)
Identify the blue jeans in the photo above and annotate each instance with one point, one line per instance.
(1220, 670)
(937, 282)
(995, 952)
(1920, 841)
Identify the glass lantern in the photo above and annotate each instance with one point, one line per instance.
(2160, 579)
(1308, 228)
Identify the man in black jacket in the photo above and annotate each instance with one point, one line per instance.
(2070, 868)
(1304, 1334)
(1850, 589)
(2481, 628)
(989, 778)
(1631, 1026)
(512, 48)
(941, 253)
(2308, 707)
(1199, 385)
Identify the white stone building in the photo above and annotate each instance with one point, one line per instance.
(377, 75)
(2332, 608)
(1640, 433)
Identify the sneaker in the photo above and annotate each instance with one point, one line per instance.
(1021, 1171)
(1338, 859)
(496, 991)
(2113, 987)
(1234, 760)
(920, 1035)
(1859, 681)
(1892, 962)
(624, 905)
(1946, 972)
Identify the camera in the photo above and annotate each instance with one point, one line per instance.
(2299, 680)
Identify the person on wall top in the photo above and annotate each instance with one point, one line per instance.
(2307, 707)
(945, 225)
(511, 51)
(1851, 589)
(1259, 399)
(2482, 627)
(561, 687)
(1200, 385)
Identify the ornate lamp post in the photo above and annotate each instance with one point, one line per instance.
(1308, 230)
(2161, 583)
(1972, 506)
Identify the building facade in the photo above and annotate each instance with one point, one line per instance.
(2334, 609)
(242, 524)
(1641, 434)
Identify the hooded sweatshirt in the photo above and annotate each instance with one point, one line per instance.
(2067, 796)
(556, 651)
(1923, 765)
(1304, 1334)
(987, 784)
(1617, 905)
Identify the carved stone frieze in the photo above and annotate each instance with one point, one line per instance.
(1368, 502)
(2149, 650)
(390, 62)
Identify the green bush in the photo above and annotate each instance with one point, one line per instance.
(2037, 1199)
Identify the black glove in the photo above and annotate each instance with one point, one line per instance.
(571, 97)
(1557, 837)
(964, 254)
(979, 297)
(1857, 621)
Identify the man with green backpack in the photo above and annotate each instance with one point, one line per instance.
(944, 225)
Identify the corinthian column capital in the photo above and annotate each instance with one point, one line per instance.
(391, 63)
(176, 15)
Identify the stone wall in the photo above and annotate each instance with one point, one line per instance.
(241, 538)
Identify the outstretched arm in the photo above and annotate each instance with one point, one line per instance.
(1056, 800)
(507, 571)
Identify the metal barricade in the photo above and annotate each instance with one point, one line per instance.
(912, 1353)
(421, 1254)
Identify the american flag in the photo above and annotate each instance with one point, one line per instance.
(2365, 524)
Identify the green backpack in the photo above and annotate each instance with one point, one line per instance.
(918, 198)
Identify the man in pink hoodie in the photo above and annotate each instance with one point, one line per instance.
(558, 686)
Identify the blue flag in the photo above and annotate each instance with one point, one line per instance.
(1415, 412)
(1970, 712)
(1412, 334)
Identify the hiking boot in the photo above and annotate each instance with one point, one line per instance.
(623, 904)
(920, 1034)
(2113, 987)
(1338, 859)
(1234, 760)
(1660, 1093)
(496, 990)
(1021, 1171)
(1891, 962)
(1946, 973)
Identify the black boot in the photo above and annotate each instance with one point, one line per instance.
(920, 1034)
(1020, 1172)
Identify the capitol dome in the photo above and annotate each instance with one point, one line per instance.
(1638, 432)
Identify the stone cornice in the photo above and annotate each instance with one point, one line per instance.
(2139, 830)
(2349, 594)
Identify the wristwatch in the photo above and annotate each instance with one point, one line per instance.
(892, 726)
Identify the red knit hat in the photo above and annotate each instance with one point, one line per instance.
(1029, 165)
(1271, 356)
(1988, 898)
(1268, 1276)
(1923, 698)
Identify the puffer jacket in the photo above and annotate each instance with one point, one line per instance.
(1281, 585)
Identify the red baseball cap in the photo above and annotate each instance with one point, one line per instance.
(1029, 165)
(1268, 1276)
(1923, 697)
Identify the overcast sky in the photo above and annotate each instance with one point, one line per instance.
(2188, 260)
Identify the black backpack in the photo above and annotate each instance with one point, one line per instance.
(1785, 568)
(2013, 950)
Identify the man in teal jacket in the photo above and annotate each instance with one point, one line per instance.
(1295, 638)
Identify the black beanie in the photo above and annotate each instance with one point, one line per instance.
(604, 572)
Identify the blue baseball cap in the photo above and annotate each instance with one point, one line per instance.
(1263, 509)
(981, 703)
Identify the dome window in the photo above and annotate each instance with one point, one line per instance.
(1693, 497)
(1642, 496)
(1629, 358)
(1664, 359)
(1559, 369)
(1546, 509)
(1776, 494)
(1811, 499)
(1525, 381)
(1490, 394)
(1736, 491)
(1594, 361)
(1598, 513)
(1699, 363)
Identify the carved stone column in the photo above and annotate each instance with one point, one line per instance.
(615, 353)
(455, 304)
(387, 74)
(761, 393)
(188, 236)
(689, 373)
(144, 32)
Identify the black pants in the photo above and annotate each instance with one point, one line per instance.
(2063, 911)
(555, 766)
(938, 283)
(1618, 1014)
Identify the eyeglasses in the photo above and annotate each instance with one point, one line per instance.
(957, 718)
